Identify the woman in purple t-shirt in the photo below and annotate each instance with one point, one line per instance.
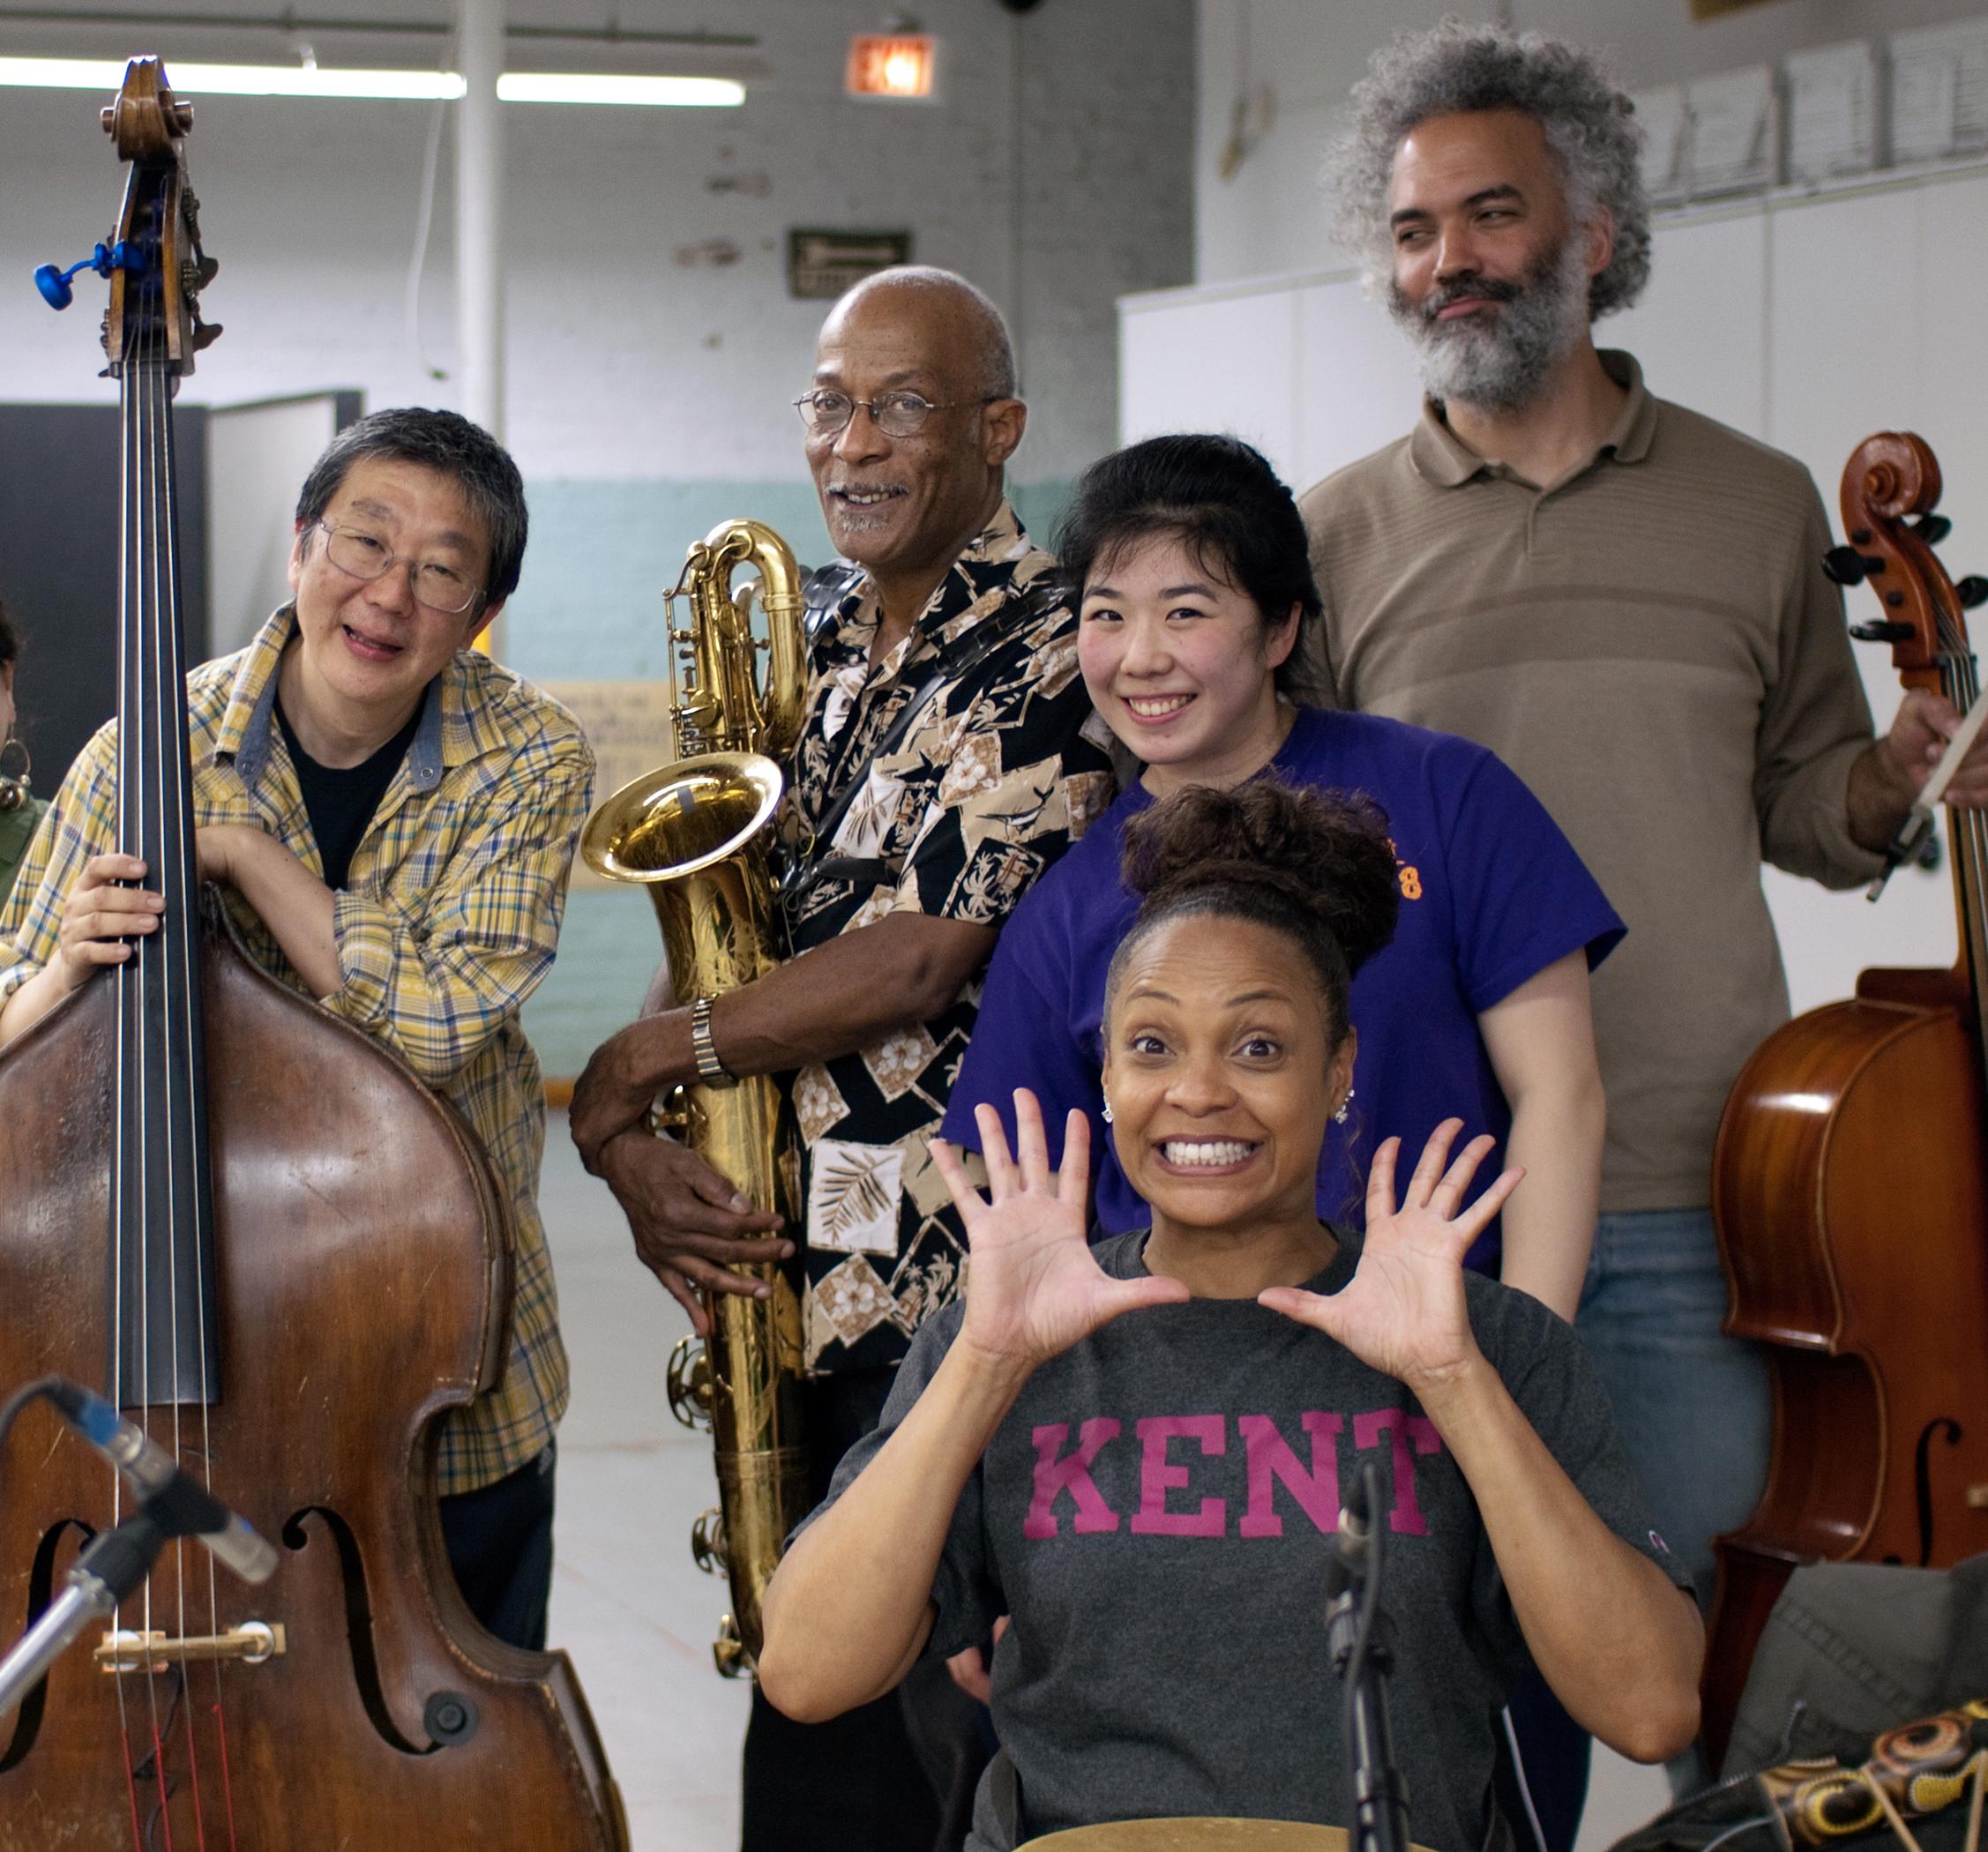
(1198, 606)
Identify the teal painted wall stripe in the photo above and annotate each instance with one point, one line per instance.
(589, 608)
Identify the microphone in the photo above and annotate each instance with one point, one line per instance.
(180, 1504)
(1347, 1569)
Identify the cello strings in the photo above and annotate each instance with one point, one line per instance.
(1968, 829)
(1977, 827)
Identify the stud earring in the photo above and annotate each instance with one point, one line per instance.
(1108, 1112)
(1339, 1118)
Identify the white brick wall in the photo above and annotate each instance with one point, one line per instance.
(1057, 174)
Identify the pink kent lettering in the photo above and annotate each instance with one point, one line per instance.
(1313, 1490)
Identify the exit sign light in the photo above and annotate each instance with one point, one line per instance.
(890, 65)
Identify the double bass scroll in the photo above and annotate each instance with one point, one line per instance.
(1849, 1182)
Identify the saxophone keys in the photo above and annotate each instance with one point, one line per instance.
(689, 1382)
(707, 1543)
(728, 1652)
(670, 1111)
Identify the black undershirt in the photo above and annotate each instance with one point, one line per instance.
(340, 800)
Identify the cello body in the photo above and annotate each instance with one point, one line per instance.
(1857, 1251)
(1851, 1192)
(285, 1260)
(361, 1286)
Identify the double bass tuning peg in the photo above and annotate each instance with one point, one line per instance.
(53, 281)
(1848, 567)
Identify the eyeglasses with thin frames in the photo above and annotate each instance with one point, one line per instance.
(437, 587)
(896, 415)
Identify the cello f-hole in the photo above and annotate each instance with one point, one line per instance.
(1947, 1429)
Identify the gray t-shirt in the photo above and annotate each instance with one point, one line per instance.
(1156, 1514)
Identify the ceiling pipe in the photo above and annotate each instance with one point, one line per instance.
(479, 221)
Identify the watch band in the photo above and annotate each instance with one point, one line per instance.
(710, 1070)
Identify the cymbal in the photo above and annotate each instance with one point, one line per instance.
(1196, 1836)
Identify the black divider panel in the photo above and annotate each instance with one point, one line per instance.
(59, 544)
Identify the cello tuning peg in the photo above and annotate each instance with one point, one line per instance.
(1972, 591)
(1848, 567)
(1882, 630)
(1932, 528)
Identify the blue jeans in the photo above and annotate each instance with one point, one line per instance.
(1694, 1407)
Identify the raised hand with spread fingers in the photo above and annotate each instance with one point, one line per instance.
(1034, 1287)
(1403, 1311)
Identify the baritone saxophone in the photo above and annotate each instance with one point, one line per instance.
(694, 833)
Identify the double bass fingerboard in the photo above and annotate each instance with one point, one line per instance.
(163, 1343)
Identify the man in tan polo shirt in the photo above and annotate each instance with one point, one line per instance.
(1624, 601)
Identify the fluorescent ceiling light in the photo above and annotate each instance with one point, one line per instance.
(557, 86)
(522, 86)
(197, 80)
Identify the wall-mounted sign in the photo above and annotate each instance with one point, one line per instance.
(632, 730)
(890, 65)
(826, 263)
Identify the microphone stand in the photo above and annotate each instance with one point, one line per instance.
(116, 1564)
(1359, 1640)
(109, 1572)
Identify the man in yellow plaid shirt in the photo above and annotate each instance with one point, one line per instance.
(393, 818)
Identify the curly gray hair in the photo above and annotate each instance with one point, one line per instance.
(1458, 68)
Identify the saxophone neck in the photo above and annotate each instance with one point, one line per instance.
(728, 703)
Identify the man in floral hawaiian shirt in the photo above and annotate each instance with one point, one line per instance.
(925, 837)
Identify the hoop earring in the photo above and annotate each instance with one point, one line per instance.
(1339, 1118)
(14, 785)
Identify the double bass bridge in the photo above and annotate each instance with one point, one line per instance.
(126, 1651)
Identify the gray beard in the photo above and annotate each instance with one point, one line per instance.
(1498, 362)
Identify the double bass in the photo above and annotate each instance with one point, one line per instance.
(285, 1260)
(1849, 1182)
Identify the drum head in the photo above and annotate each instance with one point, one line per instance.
(1195, 1836)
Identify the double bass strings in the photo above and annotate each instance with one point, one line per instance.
(188, 1196)
(120, 1157)
(151, 765)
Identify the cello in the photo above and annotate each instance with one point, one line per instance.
(1850, 1182)
(284, 1259)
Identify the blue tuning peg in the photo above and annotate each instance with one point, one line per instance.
(54, 283)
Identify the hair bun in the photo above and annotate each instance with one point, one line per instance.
(1324, 854)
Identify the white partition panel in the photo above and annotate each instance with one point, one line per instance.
(1848, 335)
(1699, 332)
(1808, 321)
(258, 457)
(1357, 386)
(1230, 365)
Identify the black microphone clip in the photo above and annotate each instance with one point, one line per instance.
(170, 1497)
